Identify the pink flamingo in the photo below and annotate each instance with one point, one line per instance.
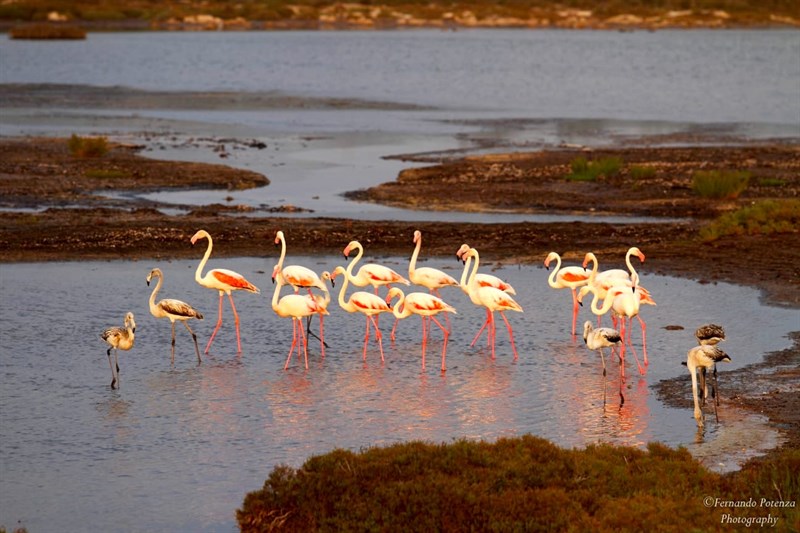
(363, 302)
(430, 278)
(296, 307)
(173, 310)
(426, 306)
(484, 280)
(119, 338)
(321, 302)
(371, 273)
(603, 281)
(569, 277)
(492, 299)
(625, 304)
(223, 280)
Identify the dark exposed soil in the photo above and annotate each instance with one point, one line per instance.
(39, 172)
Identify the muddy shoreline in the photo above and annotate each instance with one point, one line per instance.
(38, 178)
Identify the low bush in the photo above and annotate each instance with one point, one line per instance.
(761, 218)
(518, 484)
(720, 184)
(583, 170)
(87, 147)
(639, 172)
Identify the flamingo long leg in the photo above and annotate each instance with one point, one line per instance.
(366, 339)
(574, 310)
(173, 343)
(378, 335)
(510, 334)
(477, 336)
(194, 338)
(236, 320)
(305, 343)
(116, 362)
(216, 329)
(444, 343)
(492, 332)
(322, 334)
(424, 341)
(604, 361)
(113, 376)
(630, 343)
(394, 328)
(644, 338)
(622, 349)
(294, 343)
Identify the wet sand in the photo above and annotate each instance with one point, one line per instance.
(79, 224)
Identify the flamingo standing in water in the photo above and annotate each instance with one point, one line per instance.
(321, 301)
(625, 304)
(702, 358)
(363, 302)
(223, 280)
(426, 306)
(296, 307)
(430, 278)
(568, 277)
(492, 299)
(599, 338)
(601, 282)
(173, 310)
(119, 338)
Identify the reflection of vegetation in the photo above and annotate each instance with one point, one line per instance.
(85, 147)
(574, 13)
(720, 184)
(761, 218)
(583, 170)
(519, 484)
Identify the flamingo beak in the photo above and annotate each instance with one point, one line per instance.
(333, 282)
(148, 282)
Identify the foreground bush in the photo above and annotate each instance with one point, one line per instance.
(520, 484)
(761, 218)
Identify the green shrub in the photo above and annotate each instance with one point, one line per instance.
(519, 484)
(720, 184)
(639, 172)
(583, 170)
(771, 182)
(764, 217)
(87, 147)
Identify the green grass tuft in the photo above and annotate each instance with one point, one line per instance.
(761, 218)
(771, 182)
(87, 147)
(720, 184)
(583, 170)
(639, 172)
(102, 174)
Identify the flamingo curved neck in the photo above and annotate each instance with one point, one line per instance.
(349, 272)
(198, 274)
(552, 279)
(412, 266)
(342, 303)
(406, 312)
(283, 252)
(464, 280)
(593, 274)
(155, 291)
(629, 264)
(276, 294)
(474, 254)
(607, 303)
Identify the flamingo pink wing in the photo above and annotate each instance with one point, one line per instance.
(233, 280)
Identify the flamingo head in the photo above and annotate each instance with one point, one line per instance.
(587, 329)
(156, 272)
(393, 292)
(276, 271)
(202, 234)
(278, 238)
(336, 271)
(417, 236)
(349, 248)
(637, 252)
(129, 321)
(589, 257)
(552, 256)
(581, 293)
(461, 251)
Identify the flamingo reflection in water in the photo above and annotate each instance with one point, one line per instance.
(426, 306)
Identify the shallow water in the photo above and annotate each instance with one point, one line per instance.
(176, 448)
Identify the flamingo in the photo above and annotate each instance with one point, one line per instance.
(492, 299)
(603, 281)
(321, 302)
(173, 310)
(710, 334)
(630, 274)
(430, 278)
(597, 339)
(294, 306)
(568, 277)
(426, 306)
(484, 280)
(625, 304)
(704, 357)
(295, 275)
(224, 281)
(363, 302)
(371, 273)
(119, 339)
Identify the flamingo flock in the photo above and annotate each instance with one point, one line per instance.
(618, 291)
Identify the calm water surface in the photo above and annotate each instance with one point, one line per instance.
(176, 448)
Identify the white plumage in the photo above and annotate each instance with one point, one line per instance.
(599, 338)
(119, 339)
